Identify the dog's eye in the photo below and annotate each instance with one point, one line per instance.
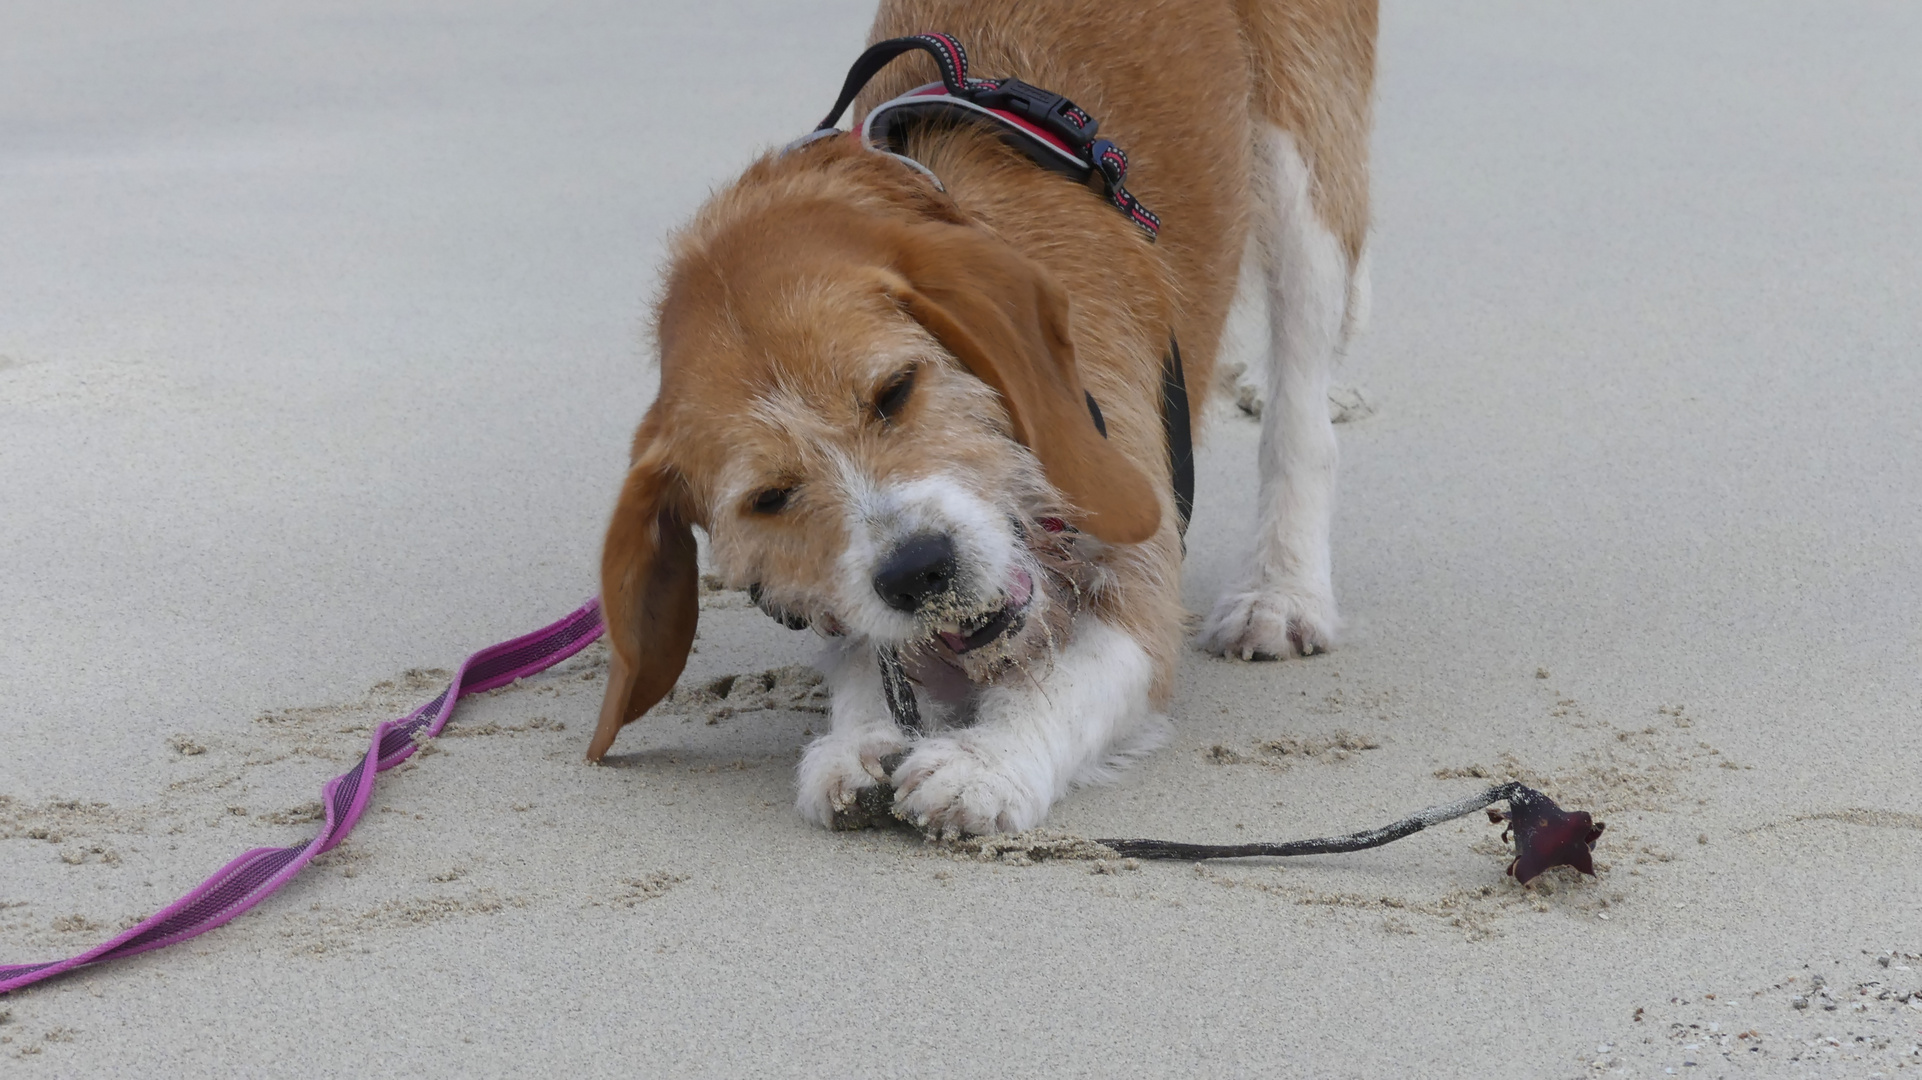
(772, 501)
(894, 396)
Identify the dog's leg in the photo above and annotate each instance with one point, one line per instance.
(1286, 605)
(838, 765)
(1033, 740)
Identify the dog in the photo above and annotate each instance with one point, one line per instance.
(917, 405)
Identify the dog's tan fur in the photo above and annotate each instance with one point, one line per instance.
(801, 290)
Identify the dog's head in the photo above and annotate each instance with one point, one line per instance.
(872, 414)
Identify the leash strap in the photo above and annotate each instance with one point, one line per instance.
(898, 690)
(1052, 131)
(254, 876)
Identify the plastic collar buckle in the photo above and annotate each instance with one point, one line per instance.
(1044, 109)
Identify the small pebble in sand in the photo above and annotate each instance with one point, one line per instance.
(1541, 673)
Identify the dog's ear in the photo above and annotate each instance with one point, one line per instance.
(649, 596)
(1006, 319)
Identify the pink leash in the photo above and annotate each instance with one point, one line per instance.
(255, 876)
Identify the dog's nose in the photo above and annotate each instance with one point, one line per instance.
(921, 567)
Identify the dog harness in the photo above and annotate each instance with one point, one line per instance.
(1052, 131)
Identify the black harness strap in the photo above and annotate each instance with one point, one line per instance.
(948, 55)
(1181, 442)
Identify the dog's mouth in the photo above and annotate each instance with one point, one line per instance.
(989, 627)
(966, 648)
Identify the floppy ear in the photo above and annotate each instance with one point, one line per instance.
(649, 603)
(1006, 319)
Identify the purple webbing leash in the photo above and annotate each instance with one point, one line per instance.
(256, 875)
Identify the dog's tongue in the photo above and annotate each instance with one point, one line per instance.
(1018, 594)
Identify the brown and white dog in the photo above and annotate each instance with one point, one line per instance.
(872, 398)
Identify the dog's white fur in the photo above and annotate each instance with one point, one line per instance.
(881, 517)
(1315, 300)
(1030, 744)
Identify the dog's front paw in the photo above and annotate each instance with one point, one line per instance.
(844, 781)
(950, 789)
(1271, 624)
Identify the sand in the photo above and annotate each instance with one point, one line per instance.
(321, 338)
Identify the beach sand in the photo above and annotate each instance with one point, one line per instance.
(322, 334)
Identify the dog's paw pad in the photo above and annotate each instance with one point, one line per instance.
(1270, 624)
